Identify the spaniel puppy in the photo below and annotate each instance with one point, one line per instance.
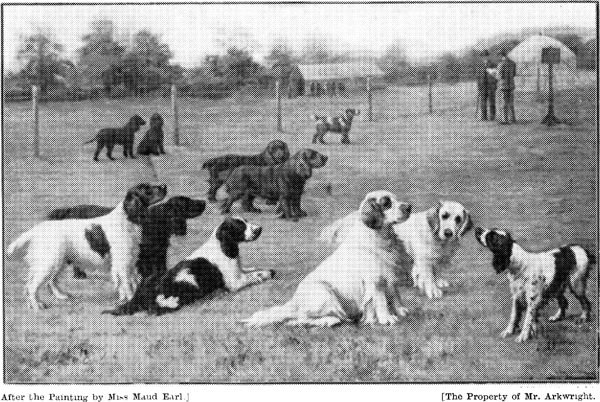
(284, 182)
(220, 168)
(356, 282)
(430, 238)
(153, 141)
(535, 278)
(110, 137)
(162, 221)
(111, 240)
(339, 124)
(215, 265)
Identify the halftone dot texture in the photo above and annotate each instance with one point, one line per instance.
(536, 181)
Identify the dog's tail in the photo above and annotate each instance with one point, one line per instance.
(273, 315)
(92, 140)
(316, 117)
(19, 243)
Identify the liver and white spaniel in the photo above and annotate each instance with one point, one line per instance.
(111, 240)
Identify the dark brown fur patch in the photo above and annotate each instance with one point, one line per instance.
(97, 240)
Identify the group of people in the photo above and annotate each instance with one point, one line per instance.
(491, 77)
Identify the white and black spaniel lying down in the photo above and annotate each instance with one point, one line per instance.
(161, 222)
(535, 278)
(215, 265)
(111, 240)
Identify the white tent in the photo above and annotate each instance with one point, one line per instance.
(532, 75)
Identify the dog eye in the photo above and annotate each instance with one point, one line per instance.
(445, 215)
(385, 203)
(457, 219)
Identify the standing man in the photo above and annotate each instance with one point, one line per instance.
(507, 69)
(486, 87)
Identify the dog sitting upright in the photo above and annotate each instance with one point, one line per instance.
(215, 265)
(153, 141)
(339, 124)
(537, 277)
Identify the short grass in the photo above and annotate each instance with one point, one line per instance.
(538, 182)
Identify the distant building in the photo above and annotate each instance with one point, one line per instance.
(332, 79)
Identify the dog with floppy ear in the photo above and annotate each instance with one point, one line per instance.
(356, 282)
(284, 182)
(430, 238)
(111, 240)
(220, 168)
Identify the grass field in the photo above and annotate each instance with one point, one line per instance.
(538, 182)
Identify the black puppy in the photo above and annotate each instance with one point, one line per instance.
(215, 265)
(220, 168)
(283, 182)
(110, 137)
(153, 141)
(161, 222)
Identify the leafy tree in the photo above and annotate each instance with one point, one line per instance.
(318, 50)
(449, 67)
(394, 62)
(238, 66)
(43, 63)
(100, 55)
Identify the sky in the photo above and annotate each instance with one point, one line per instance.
(194, 30)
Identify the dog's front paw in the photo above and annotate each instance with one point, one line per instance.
(432, 291)
(526, 334)
(402, 311)
(506, 333)
(442, 283)
(388, 319)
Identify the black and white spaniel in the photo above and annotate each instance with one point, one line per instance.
(535, 278)
(111, 240)
(215, 265)
(338, 124)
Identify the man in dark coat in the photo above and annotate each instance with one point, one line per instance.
(486, 87)
(507, 69)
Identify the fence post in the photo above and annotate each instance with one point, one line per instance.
(430, 86)
(175, 115)
(278, 96)
(370, 98)
(35, 97)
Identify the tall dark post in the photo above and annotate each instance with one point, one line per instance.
(370, 98)
(278, 96)
(175, 110)
(35, 97)
(550, 55)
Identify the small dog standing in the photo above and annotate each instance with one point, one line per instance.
(153, 141)
(537, 277)
(215, 265)
(339, 124)
(117, 136)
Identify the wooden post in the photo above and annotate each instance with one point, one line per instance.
(430, 90)
(175, 115)
(278, 96)
(35, 95)
(370, 98)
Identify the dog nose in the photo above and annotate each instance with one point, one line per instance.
(478, 232)
(258, 231)
(448, 233)
(406, 208)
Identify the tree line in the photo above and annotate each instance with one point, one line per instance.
(141, 65)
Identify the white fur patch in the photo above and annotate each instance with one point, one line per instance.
(187, 277)
(169, 302)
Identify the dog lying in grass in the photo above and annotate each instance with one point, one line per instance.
(284, 182)
(215, 265)
(110, 137)
(535, 278)
(220, 168)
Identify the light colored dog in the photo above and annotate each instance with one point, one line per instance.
(430, 238)
(111, 240)
(357, 281)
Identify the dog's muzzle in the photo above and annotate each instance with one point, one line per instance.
(253, 232)
(480, 236)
